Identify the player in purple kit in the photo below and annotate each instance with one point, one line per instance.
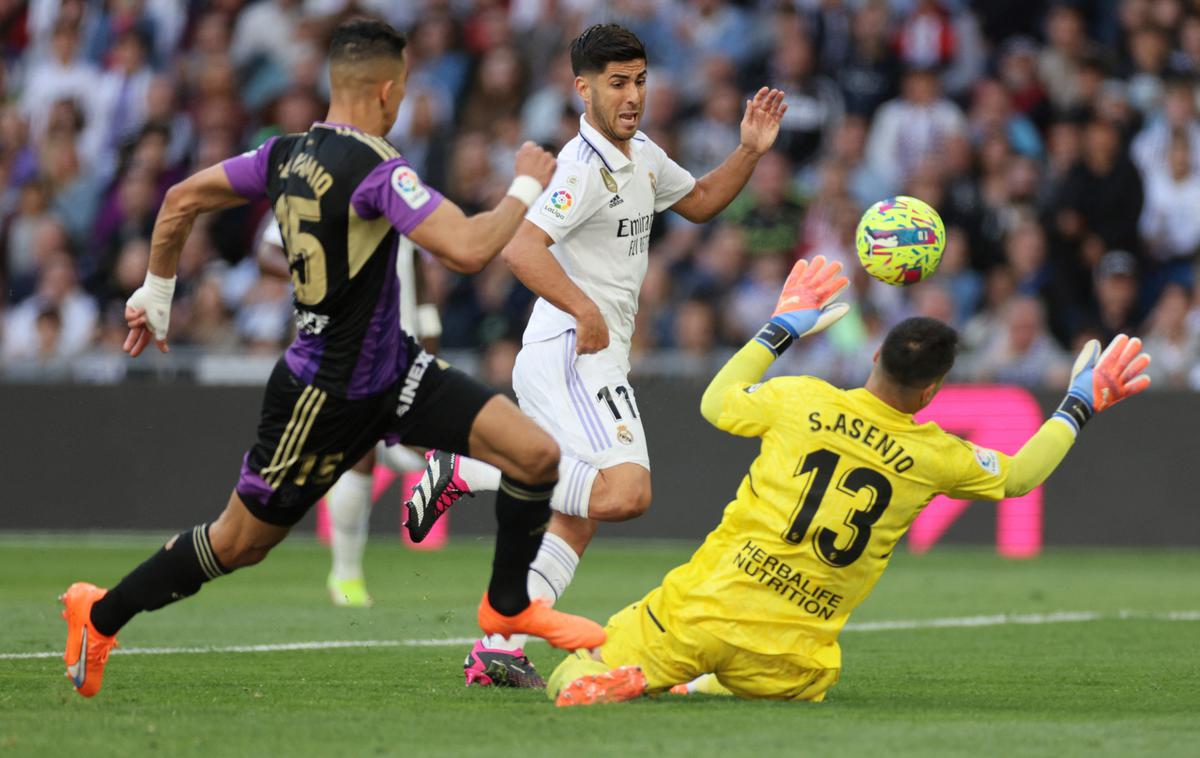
(343, 196)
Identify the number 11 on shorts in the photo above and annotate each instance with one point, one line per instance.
(621, 392)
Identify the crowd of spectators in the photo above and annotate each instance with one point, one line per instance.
(1059, 140)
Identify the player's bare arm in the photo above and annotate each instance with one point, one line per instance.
(148, 311)
(468, 243)
(529, 257)
(718, 188)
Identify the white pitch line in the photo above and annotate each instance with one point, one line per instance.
(962, 622)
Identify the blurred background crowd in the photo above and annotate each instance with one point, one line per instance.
(1059, 140)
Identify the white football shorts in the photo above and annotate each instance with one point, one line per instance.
(585, 402)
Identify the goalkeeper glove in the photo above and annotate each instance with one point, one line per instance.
(1101, 380)
(805, 306)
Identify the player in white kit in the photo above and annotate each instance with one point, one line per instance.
(349, 500)
(583, 250)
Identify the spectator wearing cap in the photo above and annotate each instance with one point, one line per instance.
(1170, 222)
(912, 128)
(1116, 294)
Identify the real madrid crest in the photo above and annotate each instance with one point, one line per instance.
(609, 182)
(653, 183)
(624, 436)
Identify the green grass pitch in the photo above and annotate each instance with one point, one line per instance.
(1110, 685)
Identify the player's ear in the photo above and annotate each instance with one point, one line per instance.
(584, 88)
(928, 393)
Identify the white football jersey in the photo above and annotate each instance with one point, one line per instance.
(598, 209)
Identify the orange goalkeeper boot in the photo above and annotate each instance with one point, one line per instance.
(616, 686)
(87, 649)
(562, 630)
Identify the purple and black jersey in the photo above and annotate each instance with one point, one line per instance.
(342, 198)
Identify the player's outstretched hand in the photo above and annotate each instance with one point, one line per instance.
(1101, 380)
(760, 124)
(806, 304)
(148, 315)
(536, 162)
(1105, 379)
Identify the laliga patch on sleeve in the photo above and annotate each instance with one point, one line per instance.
(408, 186)
(987, 460)
(559, 204)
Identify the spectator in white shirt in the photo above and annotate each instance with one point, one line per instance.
(1170, 222)
(62, 76)
(1149, 148)
(58, 291)
(912, 128)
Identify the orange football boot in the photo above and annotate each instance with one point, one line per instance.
(87, 649)
(616, 686)
(562, 630)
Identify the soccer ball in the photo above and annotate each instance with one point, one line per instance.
(900, 240)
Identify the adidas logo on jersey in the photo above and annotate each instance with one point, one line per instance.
(615, 201)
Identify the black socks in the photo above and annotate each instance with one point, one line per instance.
(173, 573)
(522, 512)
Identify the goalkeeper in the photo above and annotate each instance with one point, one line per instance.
(839, 478)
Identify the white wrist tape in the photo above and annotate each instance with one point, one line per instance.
(526, 189)
(161, 288)
(429, 324)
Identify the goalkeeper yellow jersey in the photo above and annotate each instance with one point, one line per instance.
(838, 480)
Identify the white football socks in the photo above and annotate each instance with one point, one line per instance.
(349, 503)
(549, 576)
(401, 458)
(478, 475)
(573, 492)
(571, 495)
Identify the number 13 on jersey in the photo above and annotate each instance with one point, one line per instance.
(836, 548)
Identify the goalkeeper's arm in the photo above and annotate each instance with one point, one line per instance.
(1098, 382)
(805, 307)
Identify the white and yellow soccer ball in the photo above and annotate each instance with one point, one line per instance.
(900, 240)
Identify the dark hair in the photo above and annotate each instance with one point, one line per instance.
(602, 44)
(363, 39)
(919, 351)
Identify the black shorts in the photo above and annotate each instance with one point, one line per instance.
(308, 438)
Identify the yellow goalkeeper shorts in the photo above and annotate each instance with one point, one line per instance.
(642, 635)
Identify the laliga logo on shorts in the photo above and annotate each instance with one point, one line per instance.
(561, 200)
(624, 436)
